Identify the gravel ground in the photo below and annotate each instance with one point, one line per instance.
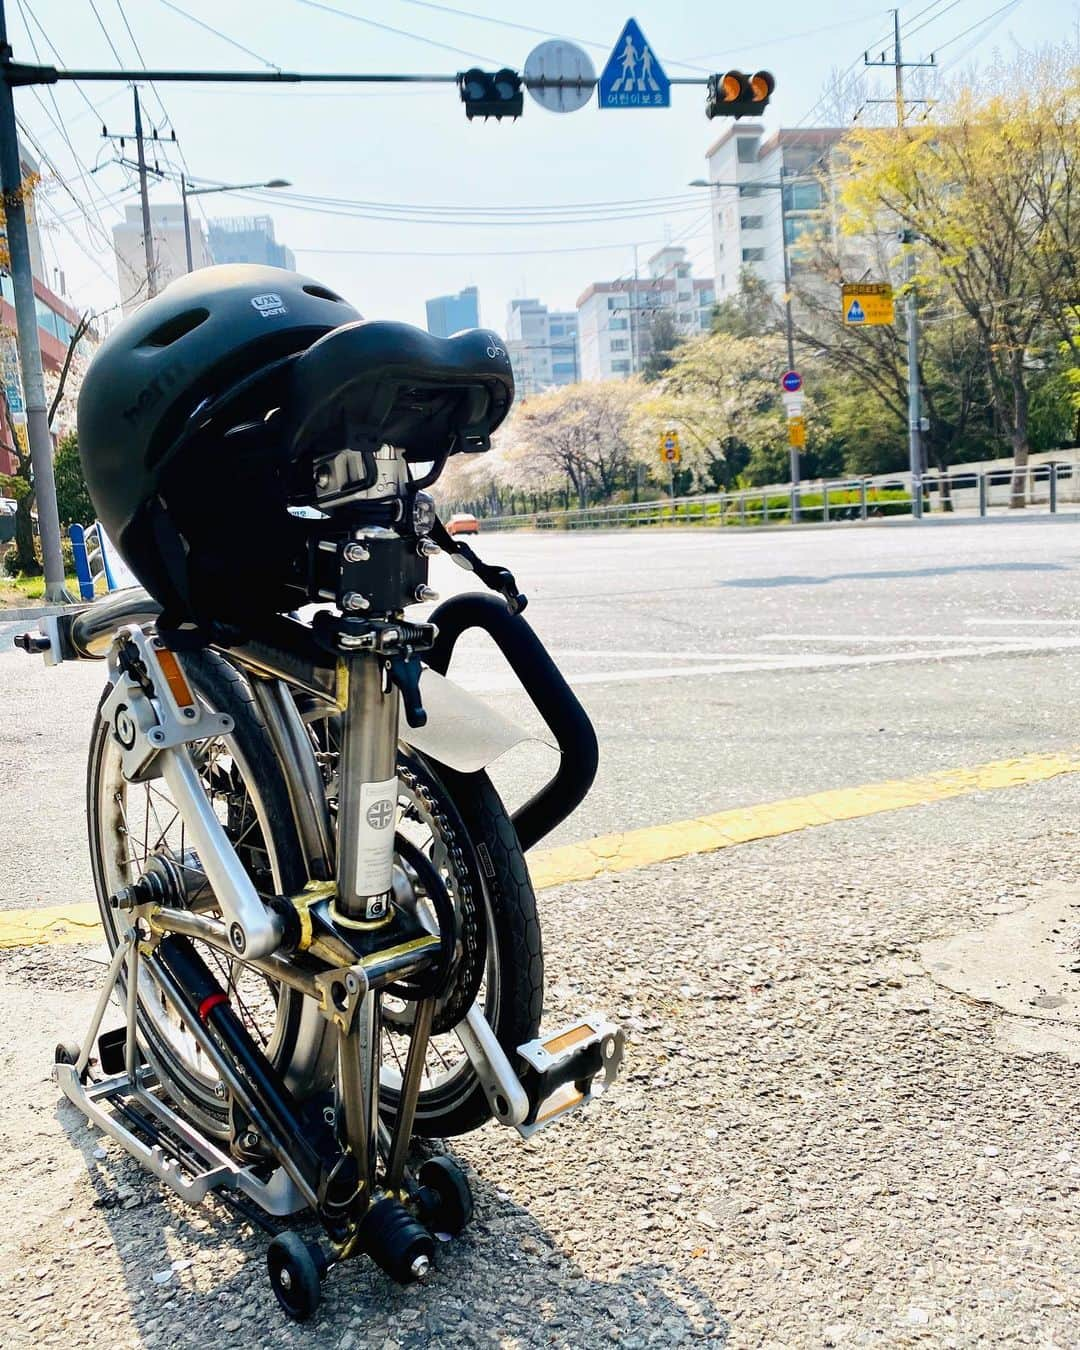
(813, 1143)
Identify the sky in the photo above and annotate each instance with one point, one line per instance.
(539, 207)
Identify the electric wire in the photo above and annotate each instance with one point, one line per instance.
(209, 28)
(398, 32)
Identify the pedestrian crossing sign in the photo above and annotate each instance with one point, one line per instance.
(633, 77)
(865, 303)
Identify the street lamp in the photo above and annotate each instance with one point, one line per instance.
(775, 187)
(186, 192)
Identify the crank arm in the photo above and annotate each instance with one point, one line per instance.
(507, 1098)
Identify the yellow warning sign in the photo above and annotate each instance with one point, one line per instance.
(669, 448)
(796, 432)
(865, 303)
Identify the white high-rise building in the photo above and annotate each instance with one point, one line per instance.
(542, 344)
(615, 317)
(170, 254)
(751, 211)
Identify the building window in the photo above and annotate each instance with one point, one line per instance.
(617, 324)
(747, 149)
(620, 367)
(616, 302)
(802, 197)
(752, 222)
(620, 344)
(749, 190)
(753, 255)
(795, 228)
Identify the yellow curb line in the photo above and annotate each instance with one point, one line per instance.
(78, 923)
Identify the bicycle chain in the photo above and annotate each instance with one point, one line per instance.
(453, 1006)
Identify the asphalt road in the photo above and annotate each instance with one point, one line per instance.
(720, 670)
(816, 1141)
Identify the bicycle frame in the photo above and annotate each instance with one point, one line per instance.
(348, 935)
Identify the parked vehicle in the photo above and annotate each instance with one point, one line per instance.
(462, 523)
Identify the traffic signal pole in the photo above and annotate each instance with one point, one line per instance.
(916, 460)
(33, 377)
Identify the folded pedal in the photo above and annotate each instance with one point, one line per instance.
(561, 1069)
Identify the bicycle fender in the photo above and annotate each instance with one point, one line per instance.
(462, 730)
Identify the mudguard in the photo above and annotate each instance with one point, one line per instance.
(462, 730)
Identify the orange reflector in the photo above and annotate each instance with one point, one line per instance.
(574, 1036)
(731, 87)
(174, 677)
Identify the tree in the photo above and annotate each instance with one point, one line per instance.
(990, 191)
(62, 390)
(722, 395)
(579, 433)
(663, 338)
(72, 497)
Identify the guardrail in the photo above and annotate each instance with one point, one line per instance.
(964, 492)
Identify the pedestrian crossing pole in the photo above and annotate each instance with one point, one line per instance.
(22, 281)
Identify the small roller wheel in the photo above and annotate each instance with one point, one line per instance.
(446, 1202)
(296, 1269)
(67, 1052)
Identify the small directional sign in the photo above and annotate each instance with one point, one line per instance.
(791, 381)
(796, 433)
(633, 77)
(865, 303)
(669, 448)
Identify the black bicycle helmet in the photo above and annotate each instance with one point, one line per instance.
(171, 411)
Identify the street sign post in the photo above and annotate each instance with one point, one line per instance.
(670, 454)
(866, 303)
(550, 70)
(633, 77)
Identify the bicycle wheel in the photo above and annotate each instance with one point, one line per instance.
(134, 826)
(463, 826)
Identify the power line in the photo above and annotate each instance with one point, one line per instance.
(471, 253)
(218, 33)
(528, 28)
(398, 32)
(1011, 4)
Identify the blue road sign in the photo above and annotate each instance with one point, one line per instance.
(792, 381)
(856, 313)
(633, 77)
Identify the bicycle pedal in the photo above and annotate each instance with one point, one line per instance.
(561, 1069)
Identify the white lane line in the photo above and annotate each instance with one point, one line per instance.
(1026, 623)
(807, 661)
(884, 637)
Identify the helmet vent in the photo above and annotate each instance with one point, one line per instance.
(322, 293)
(175, 328)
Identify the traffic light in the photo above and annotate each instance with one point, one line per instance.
(486, 95)
(738, 95)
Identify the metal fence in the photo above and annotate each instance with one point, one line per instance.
(965, 492)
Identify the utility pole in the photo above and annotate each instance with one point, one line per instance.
(793, 450)
(916, 462)
(22, 280)
(144, 198)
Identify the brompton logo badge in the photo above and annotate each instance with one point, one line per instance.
(268, 305)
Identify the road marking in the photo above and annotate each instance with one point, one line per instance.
(501, 684)
(78, 923)
(724, 829)
(890, 637)
(1029, 623)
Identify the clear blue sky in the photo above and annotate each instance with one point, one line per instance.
(415, 147)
